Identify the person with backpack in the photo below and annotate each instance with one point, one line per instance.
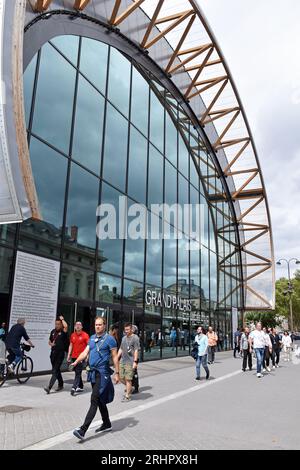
(58, 341)
(101, 347)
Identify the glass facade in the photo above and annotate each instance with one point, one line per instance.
(99, 127)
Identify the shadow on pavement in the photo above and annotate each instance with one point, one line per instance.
(117, 425)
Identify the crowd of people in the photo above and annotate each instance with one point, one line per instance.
(98, 352)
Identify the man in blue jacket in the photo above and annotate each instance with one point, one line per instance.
(100, 347)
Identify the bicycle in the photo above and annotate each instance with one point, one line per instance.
(23, 370)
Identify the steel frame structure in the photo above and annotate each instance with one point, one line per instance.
(196, 56)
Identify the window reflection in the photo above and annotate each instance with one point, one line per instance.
(137, 173)
(68, 45)
(139, 102)
(93, 62)
(119, 81)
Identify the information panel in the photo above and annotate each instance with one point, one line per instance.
(35, 298)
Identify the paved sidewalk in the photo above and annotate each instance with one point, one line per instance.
(232, 410)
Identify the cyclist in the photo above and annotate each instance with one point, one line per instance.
(13, 340)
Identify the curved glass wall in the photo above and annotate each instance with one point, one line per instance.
(100, 128)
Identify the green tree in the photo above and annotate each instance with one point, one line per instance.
(268, 319)
(282, 298)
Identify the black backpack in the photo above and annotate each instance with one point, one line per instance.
(194, 351)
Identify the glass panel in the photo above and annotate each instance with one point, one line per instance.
(108, 289)
(7, 233)
(88, 127)
(133, 294)
(68, 45)
(154, 252)
(28, 81)
(134, 259)
(171, 140)
(194, 177)
(157, 122)
(54, 99)
(76, 282)
(205, 276)
(152, 330)
(6, 278)
(213, 277)
(93, 62)
(119, 81)
(82, 205)
(170, 184)
(111, 250)
(170, 271)
(137, 173)
(115, 156)
(169, 333)
(155, 177)
(139, 102)
(183, 157)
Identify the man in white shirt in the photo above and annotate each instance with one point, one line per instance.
(257, 342)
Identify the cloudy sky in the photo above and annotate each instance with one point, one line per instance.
(261, 42)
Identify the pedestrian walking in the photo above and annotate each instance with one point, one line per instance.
(58, 341)
(100, 348)
(287, 346)
(173, 337)
(128, 355)
(78, 342)
(202, 340)
(267, 351)
(212, 343)
(276, 347)
(236, 342)
(245, 348)
(257, 342)
(135, 378)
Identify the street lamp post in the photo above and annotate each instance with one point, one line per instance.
(290, 287)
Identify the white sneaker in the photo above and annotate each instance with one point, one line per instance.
(78, 389)
(259, 375)
(273, 367)
(268, 369)
(277, 366)
(264, 370)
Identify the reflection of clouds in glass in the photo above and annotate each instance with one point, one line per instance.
(154, 261)
(54, 99)
(28, 80)
(139, 101)
(156, 122)
(115, 154)
(82, 205)
(88, 127)
(68, 45)
(93, 62)
(137, 172)
(171, 140)
(155, 177)
(134, 259)
(49, 172)
(119, 81)
(183, 157)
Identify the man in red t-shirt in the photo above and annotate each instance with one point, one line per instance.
(78, 342)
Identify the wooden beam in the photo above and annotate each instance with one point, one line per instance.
(42, 5)
(237, 156)
(258, 295)
(115, 11)
(224, 132)
(257, 273)
(195, 67)
(152, 22)
(213, 102)
(254, 238)
(192, 84)
(239, 172)
(256, 255)
(199, 51)
(166, 19)
(240, 218)
(173, 25)
(245, 184)
(214, 115)
(228, 143)
(80, 4)
(116, 21)
(211, 82)
(179, 45)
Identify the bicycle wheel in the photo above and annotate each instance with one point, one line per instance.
(24, 370)
(3, 373)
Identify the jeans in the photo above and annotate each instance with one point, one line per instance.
(95, 403)
(236, 349)
(211, 353)
(78, 379)
(201, 360)
(14, 355)
(259, 353)
(56, 361)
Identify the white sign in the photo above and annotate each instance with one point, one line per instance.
(234, 314)
(35, 299)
